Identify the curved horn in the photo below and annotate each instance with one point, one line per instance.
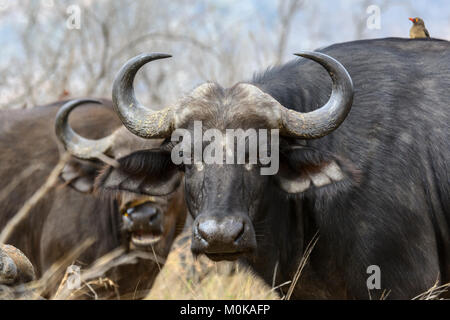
(320, 122)
(78, 146)
(140, 120)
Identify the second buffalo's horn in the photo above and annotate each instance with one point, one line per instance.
(77, 145)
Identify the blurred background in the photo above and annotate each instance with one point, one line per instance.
(62, 49)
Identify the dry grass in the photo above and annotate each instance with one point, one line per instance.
(434, 293)
(302, 264)
(184, 277)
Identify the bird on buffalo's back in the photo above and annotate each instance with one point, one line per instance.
(418, 29)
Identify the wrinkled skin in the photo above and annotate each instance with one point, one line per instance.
(71, 213)
(376, 189)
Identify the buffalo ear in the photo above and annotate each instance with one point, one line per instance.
(149, 172)
(302, 169)
(80, 174)
(313, 176)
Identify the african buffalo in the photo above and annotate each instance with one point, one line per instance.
(71, 213)
(374, 188)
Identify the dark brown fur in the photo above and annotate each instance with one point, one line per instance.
(66, 217)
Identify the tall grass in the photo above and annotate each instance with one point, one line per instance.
(184, 277)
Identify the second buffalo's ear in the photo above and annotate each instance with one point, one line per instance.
(149, 172)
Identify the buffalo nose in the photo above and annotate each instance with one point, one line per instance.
(144, 216)
(223, 238)
(227, 231)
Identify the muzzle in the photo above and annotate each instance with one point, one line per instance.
(223, 238)
(142, 220)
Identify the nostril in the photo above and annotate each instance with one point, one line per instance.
(240, 229)
(154, 213)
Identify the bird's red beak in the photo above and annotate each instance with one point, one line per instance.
(412, 19)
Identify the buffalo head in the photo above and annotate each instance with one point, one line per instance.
(145, 219)
(225, 199)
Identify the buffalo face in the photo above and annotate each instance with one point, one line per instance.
(223, 209)
(142, 220)
(146, 219)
